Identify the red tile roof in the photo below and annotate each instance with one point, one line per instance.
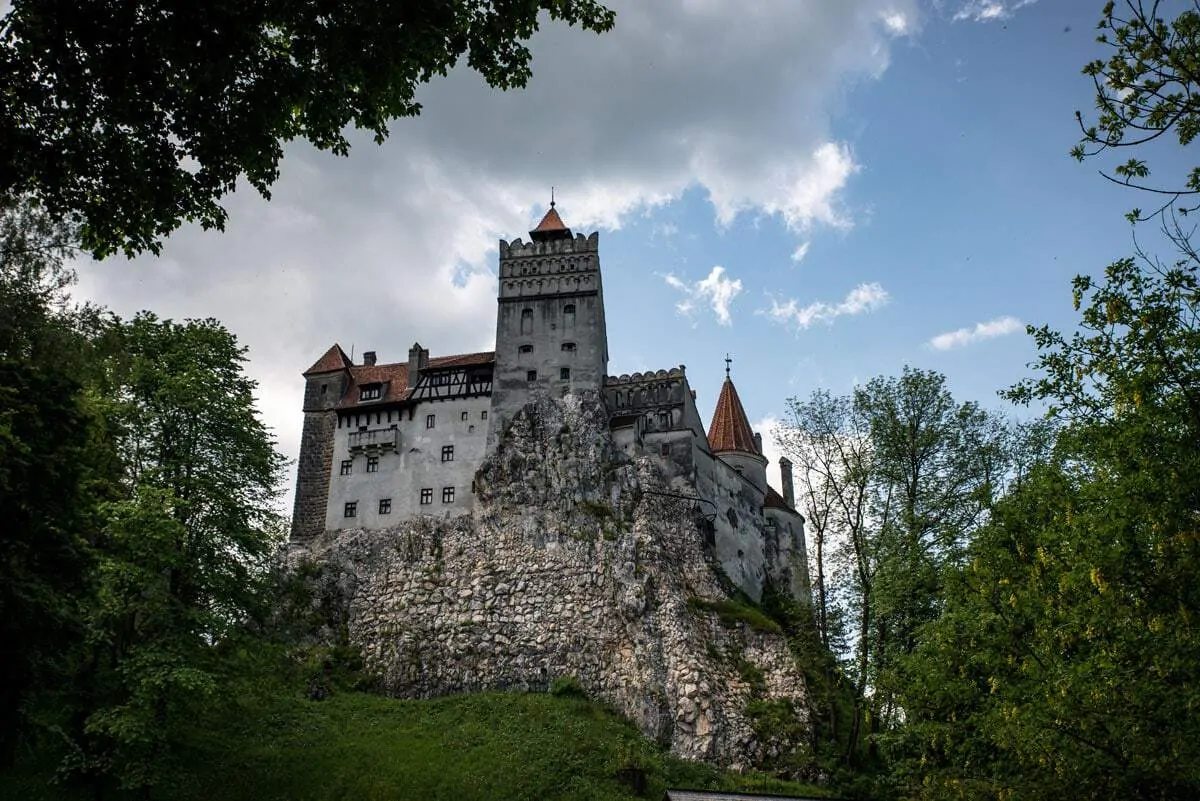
(334, 359)
(773, 500)
(395, 376)
(730, 430)
(551, 222)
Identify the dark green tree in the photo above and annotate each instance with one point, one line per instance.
(55, 464)
(183, 554)
(131, 117)
(1068, 658)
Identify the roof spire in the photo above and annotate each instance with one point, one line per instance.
(552, 196)
(551, 227)
(728, 361)
(730, 428)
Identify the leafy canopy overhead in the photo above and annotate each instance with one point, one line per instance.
(1148, 87)
(131, 117)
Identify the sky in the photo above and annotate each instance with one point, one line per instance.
(826, 191)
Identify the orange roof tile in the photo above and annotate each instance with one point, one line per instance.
(551, 227)
(773, 500)
(334, 359)
(396, 376)
(730, 430)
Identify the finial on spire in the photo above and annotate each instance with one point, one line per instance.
(551, 197)
(728, 361)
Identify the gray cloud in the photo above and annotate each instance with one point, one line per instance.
(397, 243)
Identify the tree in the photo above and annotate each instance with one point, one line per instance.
(130, 118)
(1148, 87)
(898, 475)
(184, 551)
(55, 464)
(1068, 657)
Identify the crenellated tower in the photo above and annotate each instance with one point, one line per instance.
(550, 330)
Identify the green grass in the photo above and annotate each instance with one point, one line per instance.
(733, 612)
(265, 744)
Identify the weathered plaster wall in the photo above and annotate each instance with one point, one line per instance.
(415, 464)
(567, 566)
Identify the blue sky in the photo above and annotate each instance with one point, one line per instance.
(914, 153)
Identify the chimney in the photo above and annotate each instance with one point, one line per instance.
(369, 358)
(758, 443)
(785, 477)
(418, 360)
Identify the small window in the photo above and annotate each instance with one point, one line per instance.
(531, 375)
(447, 494)
(371, 392)
(427, 496)
(324, 388)
(569, 308)
(564, 373)
(464, 416)
(525, 349)
(483, 415)
(664, 449)
(430, 419)
(568, 347)
(351, 509)
(372, 464)
(347, 467)
(447, 453)
(385, 506)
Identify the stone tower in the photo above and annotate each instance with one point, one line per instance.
(550, 329)
(325, 384)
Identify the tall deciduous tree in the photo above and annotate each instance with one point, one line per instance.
(131, 117)
(1068, 659)
(183, 554)
(900, 474)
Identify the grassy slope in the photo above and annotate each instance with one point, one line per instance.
(360, 746)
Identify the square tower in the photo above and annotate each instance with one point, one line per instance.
(550, 329)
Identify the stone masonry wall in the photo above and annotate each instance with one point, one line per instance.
(566, 568)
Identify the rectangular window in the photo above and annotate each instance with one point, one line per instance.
(664, 450)
(430, 419)
(483, 415)
(568, 347)
(531, 375)
(427, 496)
(447, 453)
(564, 373)
(372, 464)
(373, 392)
(385, 506)
(447, 494)
(351, 509)
(464, 415)
(347, 467)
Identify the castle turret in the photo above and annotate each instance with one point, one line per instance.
(550, 329)
(785, 478)
(731, 438)
(325, 384)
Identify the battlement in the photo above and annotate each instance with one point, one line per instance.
(578, 244)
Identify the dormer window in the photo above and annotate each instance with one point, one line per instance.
(370, 392)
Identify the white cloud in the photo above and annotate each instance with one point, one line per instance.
(716, 291)
(990, 329)
(863, 298)
(895, 22)
(397, 242)
(989, 10)
(800, 252)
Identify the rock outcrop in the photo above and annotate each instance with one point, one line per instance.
(571, 565)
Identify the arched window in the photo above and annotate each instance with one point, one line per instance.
(568, 347)
(527, 321)
(569, 316)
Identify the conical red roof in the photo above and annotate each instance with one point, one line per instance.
(551, 227)
(334, 359)
(730, 430)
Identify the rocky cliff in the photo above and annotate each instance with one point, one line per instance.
(572, 566)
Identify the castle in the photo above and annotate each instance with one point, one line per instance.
(387, 443)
